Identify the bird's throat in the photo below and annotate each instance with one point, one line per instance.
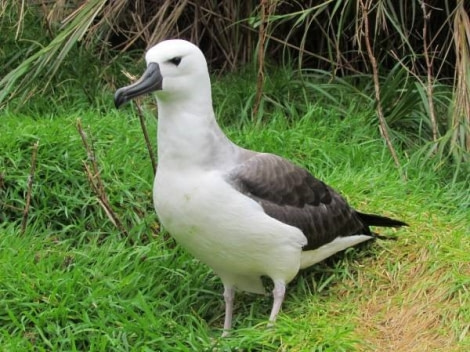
(189, 136)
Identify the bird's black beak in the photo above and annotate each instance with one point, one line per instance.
(150, 81)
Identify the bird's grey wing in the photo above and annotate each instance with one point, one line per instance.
(292, 195)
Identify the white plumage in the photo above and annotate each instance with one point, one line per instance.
(244, 214)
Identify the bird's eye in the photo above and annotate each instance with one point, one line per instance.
(176, 60)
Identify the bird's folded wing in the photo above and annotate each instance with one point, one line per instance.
(292, 195)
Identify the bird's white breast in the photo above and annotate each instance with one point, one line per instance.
(224, 228)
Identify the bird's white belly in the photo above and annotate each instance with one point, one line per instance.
(223, 228)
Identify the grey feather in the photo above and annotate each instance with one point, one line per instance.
(292, 195)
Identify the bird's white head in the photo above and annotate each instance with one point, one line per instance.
(176, 70)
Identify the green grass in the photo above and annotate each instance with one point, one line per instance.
(72, 281)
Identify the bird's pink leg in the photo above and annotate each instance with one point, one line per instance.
(278, 295)
(229, 294)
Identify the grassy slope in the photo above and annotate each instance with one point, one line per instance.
(72, 282)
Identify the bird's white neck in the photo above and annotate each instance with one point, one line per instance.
(188, 134)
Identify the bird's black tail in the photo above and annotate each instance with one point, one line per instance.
(377, 220)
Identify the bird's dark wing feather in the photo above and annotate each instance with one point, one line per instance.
(292, 195)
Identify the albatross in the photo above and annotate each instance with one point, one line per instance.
(245, 214)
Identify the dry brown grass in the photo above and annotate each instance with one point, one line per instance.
(409, 305)
(461, 113)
